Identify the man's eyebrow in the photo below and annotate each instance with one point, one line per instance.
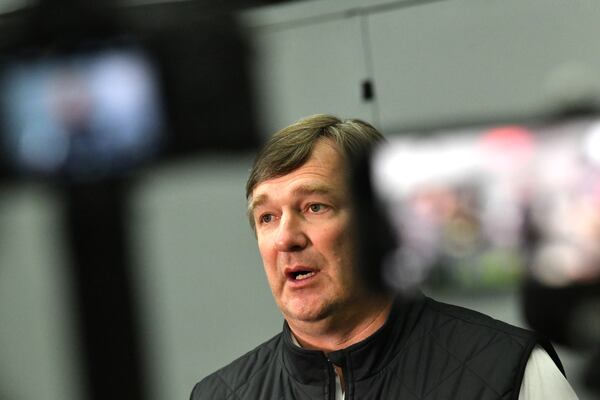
(313, 189)
(255, 202)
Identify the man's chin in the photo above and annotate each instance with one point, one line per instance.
(306, 312)
(304, 316)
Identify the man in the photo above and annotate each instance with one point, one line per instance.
(340, 340)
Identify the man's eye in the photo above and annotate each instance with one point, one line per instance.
(266, 218)
(315, 208)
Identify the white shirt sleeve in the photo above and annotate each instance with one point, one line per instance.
(543, 380)
(339, 394)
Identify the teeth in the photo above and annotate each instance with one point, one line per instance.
(304, 276)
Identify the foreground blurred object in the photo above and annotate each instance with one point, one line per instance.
(489, 207)
(492, 202)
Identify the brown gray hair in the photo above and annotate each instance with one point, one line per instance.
(289, 148)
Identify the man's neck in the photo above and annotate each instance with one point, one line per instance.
(340, 332)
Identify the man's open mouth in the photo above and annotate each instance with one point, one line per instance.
(301, 274)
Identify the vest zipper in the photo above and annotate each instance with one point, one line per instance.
(346, 386)
(331, 372)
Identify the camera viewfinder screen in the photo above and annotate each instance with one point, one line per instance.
(82, 117)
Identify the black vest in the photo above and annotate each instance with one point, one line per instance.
(426, 350)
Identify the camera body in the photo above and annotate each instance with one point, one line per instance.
(96, 90)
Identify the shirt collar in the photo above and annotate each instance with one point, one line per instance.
(361, 359)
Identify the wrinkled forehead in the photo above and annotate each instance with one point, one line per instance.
(325, 158)
(276, 160)
(323, 173)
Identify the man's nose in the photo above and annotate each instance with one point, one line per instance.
(290, 234)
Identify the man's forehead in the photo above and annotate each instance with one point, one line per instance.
(323, 173)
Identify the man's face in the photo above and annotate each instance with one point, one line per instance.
(305, 238)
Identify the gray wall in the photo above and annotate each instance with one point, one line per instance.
(201, 278)
(36, 330)
(199, 275)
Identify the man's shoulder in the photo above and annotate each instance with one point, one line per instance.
(473, 338)
(231, 378)
(446, 315)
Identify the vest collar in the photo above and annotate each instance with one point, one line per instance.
(360, 360)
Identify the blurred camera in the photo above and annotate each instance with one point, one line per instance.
(90, 91)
